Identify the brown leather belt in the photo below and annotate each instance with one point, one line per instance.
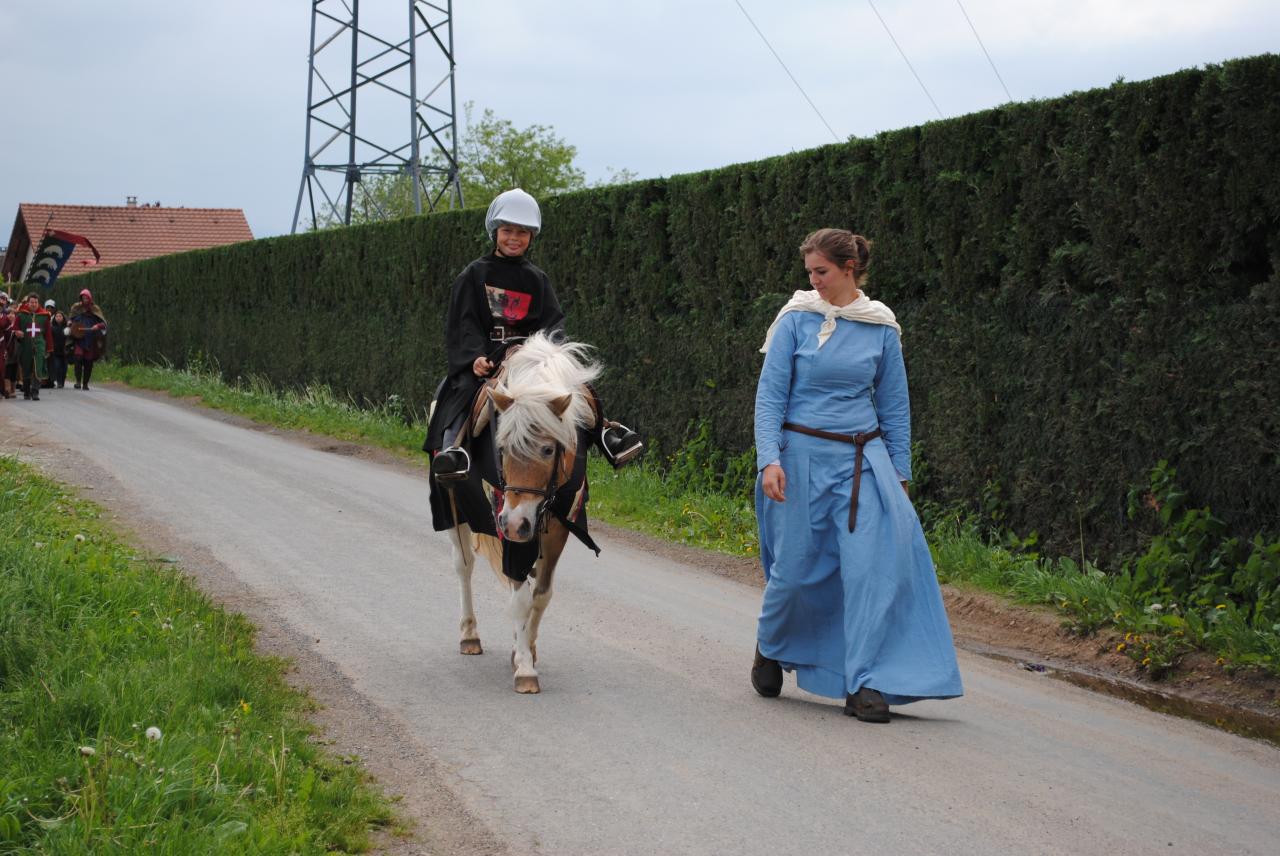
(858, 441)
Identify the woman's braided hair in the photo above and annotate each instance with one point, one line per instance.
(840, 246)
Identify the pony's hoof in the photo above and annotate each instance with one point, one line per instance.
(470, 646)
(527, 684)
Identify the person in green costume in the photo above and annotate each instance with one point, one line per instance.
(35, 343)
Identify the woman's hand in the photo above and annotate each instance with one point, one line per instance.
(481, 367)
(774, 484)
(906, 489)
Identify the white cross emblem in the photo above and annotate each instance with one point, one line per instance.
(33, 330)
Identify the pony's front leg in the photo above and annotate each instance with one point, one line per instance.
(464, 561)
(521, 611)
(552, 546)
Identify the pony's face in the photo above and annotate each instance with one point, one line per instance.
(537, 463)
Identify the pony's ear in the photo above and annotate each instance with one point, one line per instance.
(501, 400)
(561, 404)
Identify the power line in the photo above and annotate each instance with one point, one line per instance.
(904, 59)
(788, 71)
(984, 49)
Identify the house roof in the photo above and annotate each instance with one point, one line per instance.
(124, 233)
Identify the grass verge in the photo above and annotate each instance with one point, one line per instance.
(136, 715)
(1157, 634)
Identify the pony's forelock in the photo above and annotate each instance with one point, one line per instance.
(538, 374)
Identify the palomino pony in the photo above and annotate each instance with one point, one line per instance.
(536, 413)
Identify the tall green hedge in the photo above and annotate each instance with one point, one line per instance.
(1087, 285)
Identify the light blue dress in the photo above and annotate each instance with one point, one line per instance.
(844, 610)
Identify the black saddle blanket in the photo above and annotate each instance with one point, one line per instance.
(475, 500)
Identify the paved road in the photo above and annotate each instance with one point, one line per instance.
(647, 737)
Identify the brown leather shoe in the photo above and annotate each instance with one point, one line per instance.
(867, 705)
(766, 676)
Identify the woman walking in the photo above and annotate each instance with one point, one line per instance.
(89, 331)
(851, 601)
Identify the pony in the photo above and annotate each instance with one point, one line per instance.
(536, 412)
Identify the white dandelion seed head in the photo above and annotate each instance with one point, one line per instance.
(166, 626)
(79, 538)
(153, 733)
(88, 751)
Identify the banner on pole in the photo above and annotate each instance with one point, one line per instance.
(55, 250)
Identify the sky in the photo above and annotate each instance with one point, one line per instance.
(203, 104)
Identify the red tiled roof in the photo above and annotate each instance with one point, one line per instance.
(124, 233)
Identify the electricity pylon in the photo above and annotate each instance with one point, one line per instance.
(379, 74)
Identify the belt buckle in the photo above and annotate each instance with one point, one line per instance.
(498, 334)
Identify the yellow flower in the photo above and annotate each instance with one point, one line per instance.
(1219, 661)
(244, 706)
(1128, 637)
(1221, 606)
(1146, 661)
(1121, 646)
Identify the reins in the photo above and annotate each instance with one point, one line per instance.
(542, 518)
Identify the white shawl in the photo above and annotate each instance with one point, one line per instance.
(863, 309)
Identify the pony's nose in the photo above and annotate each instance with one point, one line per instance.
(524, 530)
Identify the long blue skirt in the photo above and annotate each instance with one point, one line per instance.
(842, 609)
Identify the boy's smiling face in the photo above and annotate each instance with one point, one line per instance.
(513, 240)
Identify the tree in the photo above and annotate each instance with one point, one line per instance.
(493, 155)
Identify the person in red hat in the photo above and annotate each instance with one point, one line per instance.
(89, 330)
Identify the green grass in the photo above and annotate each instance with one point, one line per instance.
(641, 498)
(98, 645)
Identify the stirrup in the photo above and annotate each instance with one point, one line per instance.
(455, 473)
(620, 444)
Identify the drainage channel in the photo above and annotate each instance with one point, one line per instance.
(1243, 722)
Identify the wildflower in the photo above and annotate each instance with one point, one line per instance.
(153, 733)
(79, 538)
(244, 706)
(1156, 607)
(166, 626)
(39, 545)
(88, 751)
(1146, 661)
(1221, 606)
(1128, 637)
(1220, 661)
(1121, 646)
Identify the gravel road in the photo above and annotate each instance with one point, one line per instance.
(647, 737)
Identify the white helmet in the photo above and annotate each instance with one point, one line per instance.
(513, 208)
(49, 304)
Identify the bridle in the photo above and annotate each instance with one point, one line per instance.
(542, 517)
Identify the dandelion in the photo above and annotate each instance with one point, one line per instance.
(1221, 606)
(1156, 607)
(244, 706)
(1220, 661)
(39, 545)
(153, 734)
(166, 626)
(1146, 661)
(88, 751)
(1128, 637)
(1121, 646)
(79, 538)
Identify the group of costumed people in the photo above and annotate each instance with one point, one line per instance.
(37, 341)
(851, 604)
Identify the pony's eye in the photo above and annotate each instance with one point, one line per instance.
(548, 451)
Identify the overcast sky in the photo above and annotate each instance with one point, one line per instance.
(203, 104)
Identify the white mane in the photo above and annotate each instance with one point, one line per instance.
(540, 372)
